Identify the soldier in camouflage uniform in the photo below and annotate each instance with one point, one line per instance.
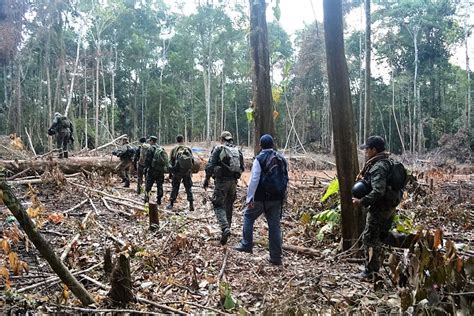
(178, 175)
(139, 162)
(381, 204)
(125, 154)
(153, 174)
(62, 128)
(225, 185)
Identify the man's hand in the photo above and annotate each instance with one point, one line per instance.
(356, 202)
(205, 184)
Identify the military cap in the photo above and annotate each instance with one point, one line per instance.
(226, 135)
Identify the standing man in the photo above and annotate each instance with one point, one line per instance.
(139, 162)
(265, 195)
(181, 164)
(62, 128)
(125, 154)
(380, 202)
(225, 165)
(156, 164)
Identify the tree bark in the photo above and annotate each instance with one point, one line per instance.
(153, 215)
(42, 245)
(121, 281)
(367, 71)
(261, 87)
(342, 120)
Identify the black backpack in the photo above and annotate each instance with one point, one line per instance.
(398, 177)
(274, 177)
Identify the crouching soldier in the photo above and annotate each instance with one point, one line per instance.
(181, 164)
(63, 129)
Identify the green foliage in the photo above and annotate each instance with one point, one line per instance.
(333, 188)
(228, 302)
(403, 224)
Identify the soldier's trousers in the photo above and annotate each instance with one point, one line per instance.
(376, 233)
(223, 201)
(62, 140)
(176, 182)
(153, 177)
(123, 169)
(140, 175)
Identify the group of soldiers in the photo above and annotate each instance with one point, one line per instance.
(266, 192)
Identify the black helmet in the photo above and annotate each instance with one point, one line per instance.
(360, 189)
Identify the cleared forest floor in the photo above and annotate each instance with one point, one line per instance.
(182, 265)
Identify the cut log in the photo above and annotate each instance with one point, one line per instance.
(121, 281)
(10, 200)
(108, 261)
(154, 218)
(67, 166)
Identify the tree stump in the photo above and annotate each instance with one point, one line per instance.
(121, 281)
(154, 218)
(108, 266)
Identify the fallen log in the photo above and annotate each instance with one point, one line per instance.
(67, 166)
(10, 200)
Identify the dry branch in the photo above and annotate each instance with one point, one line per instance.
(43, 246)
(296, 249)
(115, 210)
(69, 246)
(109, 144)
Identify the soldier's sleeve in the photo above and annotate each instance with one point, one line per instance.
(173, 156)
(242, 163)
(378, 180)
(71, 127)
(212, 163)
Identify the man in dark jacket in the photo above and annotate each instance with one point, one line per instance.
(63, 129)
(139, 161)
(181, 163)
(264, 199)
(156, 164)
(125, 154)
(381, 204)
(225, 165)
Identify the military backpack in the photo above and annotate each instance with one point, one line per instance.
(184, 159)
(160, 159)
(230, 158)
(143, 150)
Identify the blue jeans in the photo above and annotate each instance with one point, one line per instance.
(272, 211)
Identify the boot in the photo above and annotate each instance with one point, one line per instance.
(170, 206)
(139, 190)
(158, 201)
(127, 184)
(66, 154)
(147, 196)
(191, 206)
(61, 155)
(225, 236)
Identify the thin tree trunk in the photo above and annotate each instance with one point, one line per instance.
(236, 124)
(71, 88)
(361, 80)
(395, 115)
(222, 100)
(467, 122)
(97, 106)
(342, 120)
(367, 129)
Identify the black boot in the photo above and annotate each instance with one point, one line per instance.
(170, 206)
(126, 184)
(66, 154)
(191, 206)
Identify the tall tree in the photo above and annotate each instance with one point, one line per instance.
(343, 121)
(261, 87)
(367, 70)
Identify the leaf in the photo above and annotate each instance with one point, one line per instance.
(5, 274)
(306, 218)
(56, 218)
(65, 293)
(249, 114)
(32, 212)
(5, 246)
(13, 260)
(438, 239)
(333, 188)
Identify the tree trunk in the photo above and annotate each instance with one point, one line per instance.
(342, 120)
(42, 245)
(261, 88)
(71, 88)
(154, 216)
(367, 94)
(121, 281)
(97, 106)
(395, 114)
(467, 122)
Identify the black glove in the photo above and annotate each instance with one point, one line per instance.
(205, 184)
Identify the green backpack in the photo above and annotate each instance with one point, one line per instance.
(184, 159)
(160, 159)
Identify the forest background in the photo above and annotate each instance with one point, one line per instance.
(148, 67)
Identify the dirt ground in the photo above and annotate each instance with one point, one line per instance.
(182, 264)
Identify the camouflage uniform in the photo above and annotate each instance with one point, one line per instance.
(123, 168)
(178, 176)
(225, 186)
(63, 129)
(153, 176)
(381, 205)
(139, 161)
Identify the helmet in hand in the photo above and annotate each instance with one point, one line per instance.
(360, 189)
